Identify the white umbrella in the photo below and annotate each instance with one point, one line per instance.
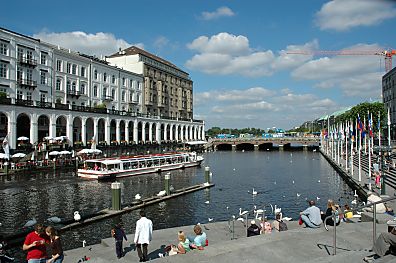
(48, 138)
(23, 138)
(96, 151)
(18, 155)
(53, 153)
(64, 152)
(2, 156)
(85, 151)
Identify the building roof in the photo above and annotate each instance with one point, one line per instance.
(133, 50)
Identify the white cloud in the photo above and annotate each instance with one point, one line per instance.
(93, 44)
(287, 61)
(356, 75)
(342, 15)
(220, 12)
(225, 54)
(260, 107)
(161, 42)
(222, 43)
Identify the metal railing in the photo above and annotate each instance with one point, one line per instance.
(336, 213)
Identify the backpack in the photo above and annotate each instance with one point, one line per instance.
(282, 226)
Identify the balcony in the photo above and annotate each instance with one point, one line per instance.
(107, 98)
(27, 61)
(61, 106)
(21, 102)
(5, 101)
(43, 104)
(27, 83)
(74, 93)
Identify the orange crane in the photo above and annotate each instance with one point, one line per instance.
(384, 53)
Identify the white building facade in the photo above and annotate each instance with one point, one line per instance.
(50, 91)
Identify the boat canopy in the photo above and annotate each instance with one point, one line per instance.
(110, 162)
(196, 142)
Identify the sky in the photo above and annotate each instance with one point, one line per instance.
(236, 52)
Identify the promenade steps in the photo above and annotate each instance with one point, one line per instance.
(298, 244)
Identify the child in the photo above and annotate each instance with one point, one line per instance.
(119, 234)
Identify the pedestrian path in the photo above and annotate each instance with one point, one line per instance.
(298, 244)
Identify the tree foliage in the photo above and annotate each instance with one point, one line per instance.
(214, 131)
(363, 109)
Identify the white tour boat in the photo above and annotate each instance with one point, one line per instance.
(111, 168)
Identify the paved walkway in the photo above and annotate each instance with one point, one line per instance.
(298, 244)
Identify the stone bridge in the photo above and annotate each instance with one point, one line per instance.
(263, 144)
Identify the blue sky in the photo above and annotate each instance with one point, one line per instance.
(235, 51)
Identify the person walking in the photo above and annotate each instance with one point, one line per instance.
(35, 244)
(119, 235)
(143, 235)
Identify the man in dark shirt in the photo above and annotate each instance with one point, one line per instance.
(119, 234)
(253, 229)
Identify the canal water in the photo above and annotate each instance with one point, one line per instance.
(283, 178)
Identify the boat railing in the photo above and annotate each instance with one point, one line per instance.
(337, 213)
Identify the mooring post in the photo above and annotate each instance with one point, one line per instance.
(207, 174)
(116, 196)
(6, 167)
(167, 183)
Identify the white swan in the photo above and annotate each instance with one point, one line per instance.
(207, 202)
(355, 195)
(31, 222)
(254, 192)
(242, 213)
(210, 219)
(161, 193)
(298, 195)
(77, 216)
(138, 197)
(354, 202)
(54, 220)
(277, 210)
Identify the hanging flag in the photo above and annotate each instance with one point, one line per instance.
(379, 122)
(360, 124)
(370, 125)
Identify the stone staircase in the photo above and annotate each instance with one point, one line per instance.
(295, 245)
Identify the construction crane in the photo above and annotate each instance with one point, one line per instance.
(387, 54)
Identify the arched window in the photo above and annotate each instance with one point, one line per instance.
(123, 96)
(113, 94)
(68, 85)
(82, 88)
(73, 85)
(104, 92)
(104, 77)
(58, 84)
(95, 91)
(96, 74)
(113, 79)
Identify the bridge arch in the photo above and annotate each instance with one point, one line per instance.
(245, 147)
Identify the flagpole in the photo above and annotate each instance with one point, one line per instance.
(369, 152)
(338, 145)
(346, 131)
(360, 152)
(365, 139)
(351, 138)
(379, 130)
(389, 132)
